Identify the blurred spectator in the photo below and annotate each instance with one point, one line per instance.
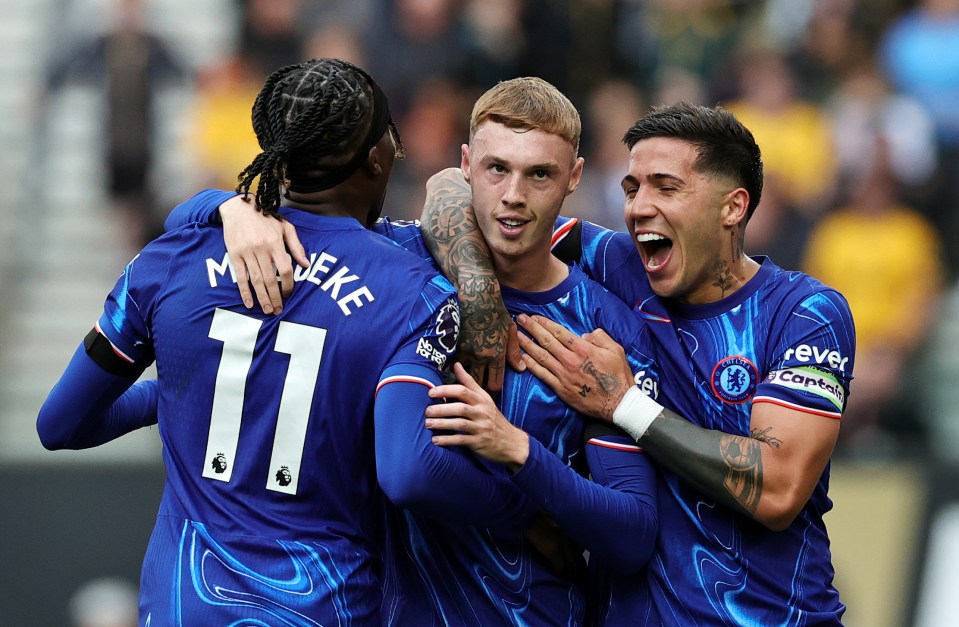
(822, 38)
(549, 36)
(696, 36)
(269, 35)
(433, 130)
(864, 111)
(612, 108)
(496, 39)
(938, 393)
(222, 141)
(920, 53)
(677, 85)
(794, 134)
(337, 40)
(885, 258)
(353, 14)
(777, 229)
(783, 23)
(412, 42)
(132, 65)
(105, 602)
(627, 33)
(594, 55)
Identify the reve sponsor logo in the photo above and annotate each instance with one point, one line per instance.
(814, 354)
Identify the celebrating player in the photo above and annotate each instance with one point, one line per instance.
(759, 360)
(271, 512)
(521, 163)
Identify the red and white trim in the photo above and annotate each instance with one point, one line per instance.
(403, 379)
(806, 410)
(561, 233)
(616, 446)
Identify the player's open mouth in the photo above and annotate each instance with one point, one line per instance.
(511, 224)
(656, 249)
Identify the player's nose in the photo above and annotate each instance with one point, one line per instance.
(514, 192)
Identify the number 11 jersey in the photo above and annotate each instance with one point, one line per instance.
(270, 511)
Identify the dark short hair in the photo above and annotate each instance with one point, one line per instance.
(315, 121)
(725, 147)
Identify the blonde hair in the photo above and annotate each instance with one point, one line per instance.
(528, 103)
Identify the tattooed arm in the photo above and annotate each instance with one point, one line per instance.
(768, 475)
(453, 238)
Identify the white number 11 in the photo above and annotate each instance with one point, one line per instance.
(304, 345)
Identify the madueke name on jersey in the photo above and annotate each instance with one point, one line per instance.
(324, 270)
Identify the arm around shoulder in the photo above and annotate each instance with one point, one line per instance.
(454, 240)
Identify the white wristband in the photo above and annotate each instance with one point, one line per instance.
(636, 412)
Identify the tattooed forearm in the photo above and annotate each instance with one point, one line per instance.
(447, 213)
(455, 242)
(725, 467)
(744, 476)
(485, 321)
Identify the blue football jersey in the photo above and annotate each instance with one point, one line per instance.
(271, 513)
(783, 338)
(484, 576)
(439, 574)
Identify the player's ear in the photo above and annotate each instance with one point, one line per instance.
(735, 206)
(465, 160)
(373, 163)
(576, 175)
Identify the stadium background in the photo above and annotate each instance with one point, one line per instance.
(69, 518)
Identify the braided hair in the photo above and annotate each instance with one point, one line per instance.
(315, 122)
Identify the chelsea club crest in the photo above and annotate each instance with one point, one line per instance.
(734, 379)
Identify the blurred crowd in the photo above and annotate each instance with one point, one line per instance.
(855, 105)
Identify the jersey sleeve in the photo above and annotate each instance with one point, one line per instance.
(606, 256)
(816, 353)
(199, 208)
(91, 403)
(126, 312)
(449, 484)
(90, 406)
(445, 483)
(407, 234)
(614, 516)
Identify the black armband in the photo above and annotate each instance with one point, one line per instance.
(101, 351)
